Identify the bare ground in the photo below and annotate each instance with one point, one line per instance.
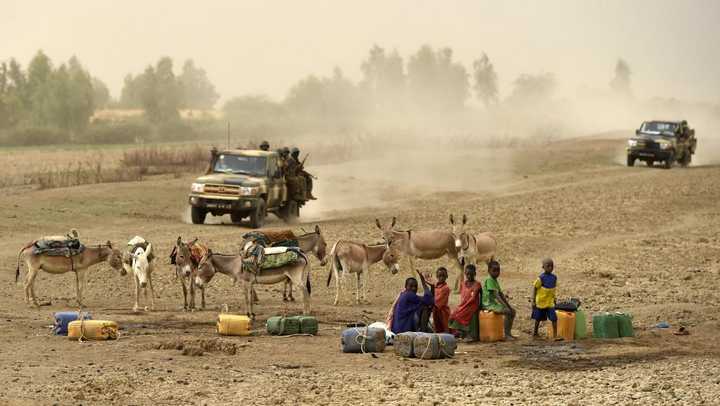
(641, 240)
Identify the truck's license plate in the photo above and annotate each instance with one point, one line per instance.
(219, 205)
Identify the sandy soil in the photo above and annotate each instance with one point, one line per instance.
(641, 240)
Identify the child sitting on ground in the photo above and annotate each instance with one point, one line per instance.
(544, 298)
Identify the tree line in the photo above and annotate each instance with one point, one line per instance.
(54, 103)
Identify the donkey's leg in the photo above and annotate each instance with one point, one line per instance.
(30, 286)
(152, 290)
(300, 278)
(78, 287)
(357, 287)
(334, 270)
(185, 293)
(289, 284)
(136, 306)
(455, 263)
(366, 285)
(202, 298)
(192, 290)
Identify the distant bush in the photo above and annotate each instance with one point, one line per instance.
(175, 131)
(156, 160)
(34, 136)
(116, 133)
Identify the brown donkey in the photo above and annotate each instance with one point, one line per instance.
(422, 244)
(231, 265)
(79, 263)
(473, 247)
(186, 257)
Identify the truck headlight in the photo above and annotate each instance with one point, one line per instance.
(197, 187)
(665, 145)
(249, 191)
(632, 143)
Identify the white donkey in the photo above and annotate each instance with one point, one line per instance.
(348, 257)
(141, 263)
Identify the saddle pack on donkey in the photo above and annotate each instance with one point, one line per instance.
(132, 245)
(59, 246)
(268, 250)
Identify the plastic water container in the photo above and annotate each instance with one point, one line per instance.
(308, 325)
(233, 325)
(62, 319)
(565, 325)
(93, 330)
(403, 344)
(361, 339)
(492, 327)
(624, 322)
(434, 346)
(283, 326)
(580, 324)
(605, 325)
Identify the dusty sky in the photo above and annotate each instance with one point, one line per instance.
(673, 47)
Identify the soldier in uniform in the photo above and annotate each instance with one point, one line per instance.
(283, 160)
(300, 171)
(265, 146)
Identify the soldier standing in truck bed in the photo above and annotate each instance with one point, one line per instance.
(300, 171)
(265, 146)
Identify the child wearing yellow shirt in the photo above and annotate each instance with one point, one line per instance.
(544, 297)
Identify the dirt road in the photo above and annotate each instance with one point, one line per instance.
(640, 240)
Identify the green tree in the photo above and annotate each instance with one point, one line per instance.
(486, 80)
(101, 93)
(383, 79)
(157, 91)
(130, 94)
(333, 97)
(533, 89)
(621, 82)
(435, 82)
(198, 92)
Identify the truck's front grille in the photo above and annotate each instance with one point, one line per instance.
(223, 190)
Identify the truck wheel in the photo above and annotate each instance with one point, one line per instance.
(236, 217)
(257, 217)
(290, 212)
(630, 160)
(650, 162)
(197, 215)
(669, 162)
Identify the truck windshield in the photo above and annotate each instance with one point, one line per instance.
(246, 165)
(658, 127)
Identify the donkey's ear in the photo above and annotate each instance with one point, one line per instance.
(109, 244)
(179, 240)
(209, 253)
(452, 220)
(317, 229)
(377, 223)
(464, 219)
(393, 222)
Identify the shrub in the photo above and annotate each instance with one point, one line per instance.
(116, 133)
(34, 136)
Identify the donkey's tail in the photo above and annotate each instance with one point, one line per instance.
(17, 269)
(334, 263)
(307, 285)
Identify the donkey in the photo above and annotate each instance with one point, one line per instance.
(185, 257)
(422, 244)
(309, 242)
(353, 257)
(59, 264)
(473, 247)
(232, 266)
(142, 265)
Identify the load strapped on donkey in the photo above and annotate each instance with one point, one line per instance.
(248, 184)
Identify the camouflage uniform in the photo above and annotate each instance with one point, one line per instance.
(300, 171)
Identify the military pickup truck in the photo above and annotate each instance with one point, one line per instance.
(662, 141)
(245, 183)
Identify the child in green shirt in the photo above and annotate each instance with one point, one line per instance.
(494, 300)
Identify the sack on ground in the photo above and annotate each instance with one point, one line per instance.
(283, 326)
(434, 346)
(361, 340)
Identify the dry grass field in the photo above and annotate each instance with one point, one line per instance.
(641, 240)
